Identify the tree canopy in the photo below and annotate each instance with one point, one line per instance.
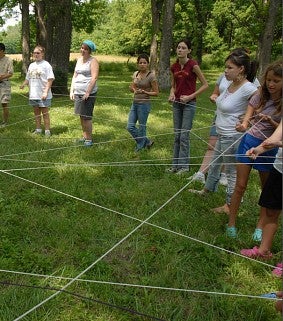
(128, 27)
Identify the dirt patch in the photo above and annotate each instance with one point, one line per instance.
(74, 56)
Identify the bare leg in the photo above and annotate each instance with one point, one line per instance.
(263, 177)
(243, 172)
(5, 112)
(269, 229)
(46, 117)
(37, 115)
(87, 128)
(208, 155)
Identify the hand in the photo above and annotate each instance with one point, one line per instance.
(253, 153)
(22, 86)
(213, 98)
(241, 127)
(171, 98)
(72, 96)
(85, 96)
(186, 98)
(44, 96)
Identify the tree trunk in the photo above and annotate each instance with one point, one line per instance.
(41, 23)
(265, 41)
(166, 44)
(54, 26)
(25, 36)
(156, 9)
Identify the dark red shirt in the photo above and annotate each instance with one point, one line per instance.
(185, 79)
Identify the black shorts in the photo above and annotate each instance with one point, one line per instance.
(271, 195)
(84, 108)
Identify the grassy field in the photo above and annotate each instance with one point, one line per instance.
(129, 233)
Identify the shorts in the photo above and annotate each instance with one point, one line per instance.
(40, 102)
(264, 162)
(84, 108)
(271, 195)
(5, 92)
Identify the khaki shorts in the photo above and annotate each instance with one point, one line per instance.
(5, 92)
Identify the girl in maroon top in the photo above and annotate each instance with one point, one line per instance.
(183, 93)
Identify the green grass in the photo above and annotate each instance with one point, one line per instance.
(63, 207)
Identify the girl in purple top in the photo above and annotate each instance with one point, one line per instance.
(183, 93)
(264, 113)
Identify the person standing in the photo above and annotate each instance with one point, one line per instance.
(6, 72)
(84, 89)
(264, 114)
(231, 105)
(144, 85)
(39, 78)
(270, 198)
(185, 72)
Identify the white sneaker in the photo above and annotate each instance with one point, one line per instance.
(223, 179)
(182, 170)
(198, 176)
(47, 133)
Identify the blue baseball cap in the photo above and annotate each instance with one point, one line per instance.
(90, 44)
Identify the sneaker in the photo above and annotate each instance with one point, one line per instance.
(231, 231)
(88, 143)
(278, 270)
(47, 133)
(201, 192)
(37, 132)
(182, 170)
(150, 144)
(80, 140)
(257, 236)
(223, 179)
(3, 124)
(198, 176)
(171, 170)
(254, 253)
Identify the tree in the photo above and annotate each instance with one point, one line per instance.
(166, 44)
(54, 30)
(266, 38)
(156, 10)
(53, 19)
(24, 6)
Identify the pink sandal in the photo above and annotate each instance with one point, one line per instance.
(278, 270)
(254, 253)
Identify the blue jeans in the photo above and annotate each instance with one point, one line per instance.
(224, 152)
(139, 113)
(183, 115)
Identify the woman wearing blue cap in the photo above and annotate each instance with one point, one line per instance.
(84, 88)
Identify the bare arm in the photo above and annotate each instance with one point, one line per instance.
(202, 88)
(214, 94)
(46, 89)
(275, 140)
(94, 68)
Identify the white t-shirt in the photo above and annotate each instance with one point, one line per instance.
(37, 76)
(230, 106)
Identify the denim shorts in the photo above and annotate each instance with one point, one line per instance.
(40, 102)
(84, 108)
(264, 162)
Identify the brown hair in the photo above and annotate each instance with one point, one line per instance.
(276, 67)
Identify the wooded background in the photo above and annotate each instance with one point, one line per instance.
(129, 27)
